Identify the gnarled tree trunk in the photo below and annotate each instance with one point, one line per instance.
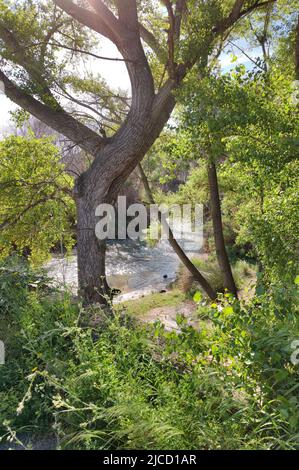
(91, 255)
(101, 184)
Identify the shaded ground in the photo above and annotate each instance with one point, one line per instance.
(27, 443)
(168, 314)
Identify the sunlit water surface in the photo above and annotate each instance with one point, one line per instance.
(131, 266)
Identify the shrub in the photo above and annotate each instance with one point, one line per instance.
(228, 385)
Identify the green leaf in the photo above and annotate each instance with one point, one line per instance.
(228, 310)
(197, 297)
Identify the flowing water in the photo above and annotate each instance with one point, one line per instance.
(131, 266)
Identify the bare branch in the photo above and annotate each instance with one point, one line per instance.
(58, 119)
(91, 54)
(68, 48)
(179, 11)
(255, 6)
(67, 95)
(246, 55)
(237, 13)
(171, 38)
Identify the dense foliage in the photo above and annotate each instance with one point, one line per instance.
(230, 385)
(36, 207)
(246, 122)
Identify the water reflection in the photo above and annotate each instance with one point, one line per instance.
(131, 266)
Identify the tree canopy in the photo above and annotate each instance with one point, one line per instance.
(36, 207)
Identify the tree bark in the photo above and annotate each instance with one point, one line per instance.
(189, 265)
(93, 286)
(175, 245)
(221, 253)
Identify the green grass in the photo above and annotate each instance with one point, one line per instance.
(123, 385)
(140, 307)
(243, 272)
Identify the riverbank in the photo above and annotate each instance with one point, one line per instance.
(132, 267)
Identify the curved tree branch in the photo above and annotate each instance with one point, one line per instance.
(117, 29)
(173, 242)
(150, 39)
(237, 13)
(87, 18)
(127, 41)
(58, 119)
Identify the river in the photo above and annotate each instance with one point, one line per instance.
(132, 266)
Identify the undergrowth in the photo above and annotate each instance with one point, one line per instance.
(123, 385)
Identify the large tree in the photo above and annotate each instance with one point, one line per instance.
(159, 41)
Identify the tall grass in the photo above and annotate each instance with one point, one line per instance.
(128, 386)
(243, 272)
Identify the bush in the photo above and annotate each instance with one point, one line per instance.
(123, 385)
(242, 272)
